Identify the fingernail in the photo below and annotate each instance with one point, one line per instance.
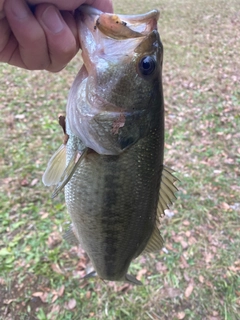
(19, 9)
(52, 19)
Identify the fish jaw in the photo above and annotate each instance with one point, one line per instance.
(104, 108)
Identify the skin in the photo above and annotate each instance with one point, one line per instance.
(44, 38)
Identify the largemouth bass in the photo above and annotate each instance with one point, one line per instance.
(111, 162)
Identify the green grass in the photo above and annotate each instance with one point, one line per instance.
(197, 276)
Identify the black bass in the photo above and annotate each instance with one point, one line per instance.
(111, 163)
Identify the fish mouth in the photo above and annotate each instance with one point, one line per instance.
(122, 26)
(110, 35)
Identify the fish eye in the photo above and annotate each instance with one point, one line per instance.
(147, 65)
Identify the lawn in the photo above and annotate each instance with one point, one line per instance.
(197, 274)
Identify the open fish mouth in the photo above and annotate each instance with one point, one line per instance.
(121, 26)
(98, 32)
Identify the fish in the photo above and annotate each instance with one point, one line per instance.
(110, 164)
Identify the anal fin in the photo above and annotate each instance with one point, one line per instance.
(70, 236)
(167, 190)
(155, 243)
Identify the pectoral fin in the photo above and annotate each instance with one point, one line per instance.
(69, 171)
(167, 190)
(55, 167)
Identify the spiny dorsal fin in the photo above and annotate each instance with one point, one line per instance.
(75, 160)
(70, 236)
(167, 190)
(55, 167)
(155, 243)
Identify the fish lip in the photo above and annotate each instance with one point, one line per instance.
(138, 25)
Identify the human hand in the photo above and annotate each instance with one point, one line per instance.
(46, 39)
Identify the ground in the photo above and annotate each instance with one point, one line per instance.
(197, 275)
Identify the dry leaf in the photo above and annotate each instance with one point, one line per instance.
(189, 290)
(184, 244)
(8, 301)
(55, 267)
(34, 182)
(188, 233)
(54, 298)
(24, 182)
(88, 294)
(181, 315)
(42, 295)
(54, 239)
(160, 267)
(184, 263)
(186, 223)
(201, 278)
(60, 291)
(71, 304)
(171, 292)
(141, 273)
(224, 206)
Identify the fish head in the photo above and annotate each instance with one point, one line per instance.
(122, 57)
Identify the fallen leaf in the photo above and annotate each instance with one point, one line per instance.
(141, 273)
(224, 206)
(161, 267)
(34, 182)
(189, 290)
(42, 295)
(60, 291)
(24, 183)
(186, 223)
(55, 267)
(171, 292)
(71, 304)
(184, 263)
(201, 278)
(181, 315)
(54, 298)
(188, 233)
(54, 239)
(8, 301)
(186, 276)
(184, 244)
(88, 294)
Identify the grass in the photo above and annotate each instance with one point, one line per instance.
(197, 275)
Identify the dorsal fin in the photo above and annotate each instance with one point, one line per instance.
(167, 190)
(155, 243)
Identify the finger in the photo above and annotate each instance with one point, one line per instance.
(4, 34)
(61, 35)
(104, 5)
(32, 50)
